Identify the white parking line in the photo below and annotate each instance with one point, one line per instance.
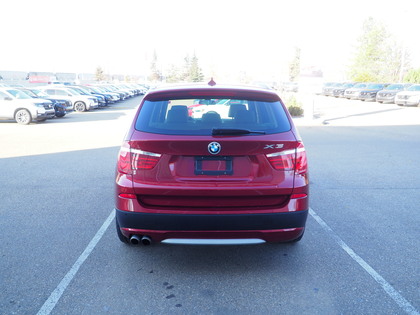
(51, 302)
(394, 294)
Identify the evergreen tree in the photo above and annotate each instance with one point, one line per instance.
(173, 75)
(155, 74)
(185, 74)
(191, 71)
(99, 74)
(195, 72)
(294, 66)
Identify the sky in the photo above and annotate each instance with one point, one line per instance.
(229, 37)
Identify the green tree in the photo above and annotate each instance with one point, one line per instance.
(155, 74)
(378, 57)
(195, 72)
(185, 73)
(99, 74)
(413, 76)
(191, 71)
(174, 75)
(294, 65)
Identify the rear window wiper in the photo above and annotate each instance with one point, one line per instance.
(221, 132)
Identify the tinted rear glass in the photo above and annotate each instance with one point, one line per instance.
(201, 116)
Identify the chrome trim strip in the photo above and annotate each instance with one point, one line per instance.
(137, 151)
(193, 241)
(286, 152)
(145, 152)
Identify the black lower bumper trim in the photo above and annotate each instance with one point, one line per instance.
(198, 222)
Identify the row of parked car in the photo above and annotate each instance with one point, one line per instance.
(403, 94)
(31, 104)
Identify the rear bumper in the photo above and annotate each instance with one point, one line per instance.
(270, 227)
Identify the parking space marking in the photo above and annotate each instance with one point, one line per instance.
(388, 288)
(51, 302)
(53, 299)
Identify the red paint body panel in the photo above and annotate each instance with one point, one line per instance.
(134, 205)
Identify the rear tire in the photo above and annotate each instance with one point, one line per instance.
(23, 117)
(120, 235)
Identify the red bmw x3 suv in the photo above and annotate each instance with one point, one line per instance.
(233, 172)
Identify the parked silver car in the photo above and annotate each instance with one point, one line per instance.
(369, 93)
(387, 95)
(81, 103)
(353, 93)
(17, 105)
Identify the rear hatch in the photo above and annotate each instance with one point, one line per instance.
(181, 172)
(215, 159)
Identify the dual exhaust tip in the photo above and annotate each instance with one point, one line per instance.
(144, 240)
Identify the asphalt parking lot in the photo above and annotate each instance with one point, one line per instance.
(360, 253)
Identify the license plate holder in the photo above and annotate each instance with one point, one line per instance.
(213, 165)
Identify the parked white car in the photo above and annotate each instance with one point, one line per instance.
(353, 93)
(80, 103)
(410, 97)
(17, 105)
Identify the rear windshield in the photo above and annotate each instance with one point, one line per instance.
(200, 116)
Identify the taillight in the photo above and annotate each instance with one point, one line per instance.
(298, 196)
(124, 159)
(288, 160)
(130, 159)
(142, 160)
(282, 161)
(301, 162)
(128, 196)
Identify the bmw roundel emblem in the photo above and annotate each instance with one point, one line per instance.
(214, 147)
